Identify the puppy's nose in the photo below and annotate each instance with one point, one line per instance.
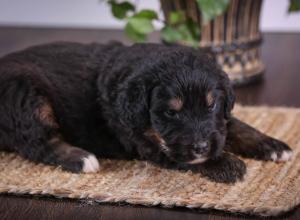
(201, 147)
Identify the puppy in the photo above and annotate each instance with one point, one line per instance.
(63, 103)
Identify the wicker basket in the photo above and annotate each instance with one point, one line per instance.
(234, 37)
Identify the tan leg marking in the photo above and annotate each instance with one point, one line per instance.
(156, 138)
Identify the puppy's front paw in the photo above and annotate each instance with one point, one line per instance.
(90, 164)
(78, 160)
(276, 150)
(225, 169)
(247, 141)
(259, 147)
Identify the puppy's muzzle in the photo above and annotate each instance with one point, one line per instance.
(200, 151)
(201, 147)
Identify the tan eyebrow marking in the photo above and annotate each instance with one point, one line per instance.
(176, 104)
(209, 98)
(46, 115)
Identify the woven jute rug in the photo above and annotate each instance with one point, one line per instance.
(268, 189)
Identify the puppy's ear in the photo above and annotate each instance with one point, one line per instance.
(229, 95)
(133, 103)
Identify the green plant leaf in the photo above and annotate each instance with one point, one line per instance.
(120, 10)
(176, 17)
(194, 29)
(141, 25)
(294, 6)
(170, 34)
(146, 13)
(133, 34)
(180, 29)
(186, 35)
(212, 8)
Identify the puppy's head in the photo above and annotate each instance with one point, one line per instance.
(187, 107)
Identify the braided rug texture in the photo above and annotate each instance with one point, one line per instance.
(268, 189)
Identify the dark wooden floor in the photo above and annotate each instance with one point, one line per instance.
(281, 86)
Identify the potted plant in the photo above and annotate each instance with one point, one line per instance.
(229, 28)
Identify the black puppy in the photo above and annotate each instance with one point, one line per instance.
(62, 102)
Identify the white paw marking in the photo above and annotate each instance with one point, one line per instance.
(285, 156)
(274, 156)
(90, 164)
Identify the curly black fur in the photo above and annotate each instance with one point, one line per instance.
(168, 105)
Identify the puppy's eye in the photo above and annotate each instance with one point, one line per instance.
(171, 113)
